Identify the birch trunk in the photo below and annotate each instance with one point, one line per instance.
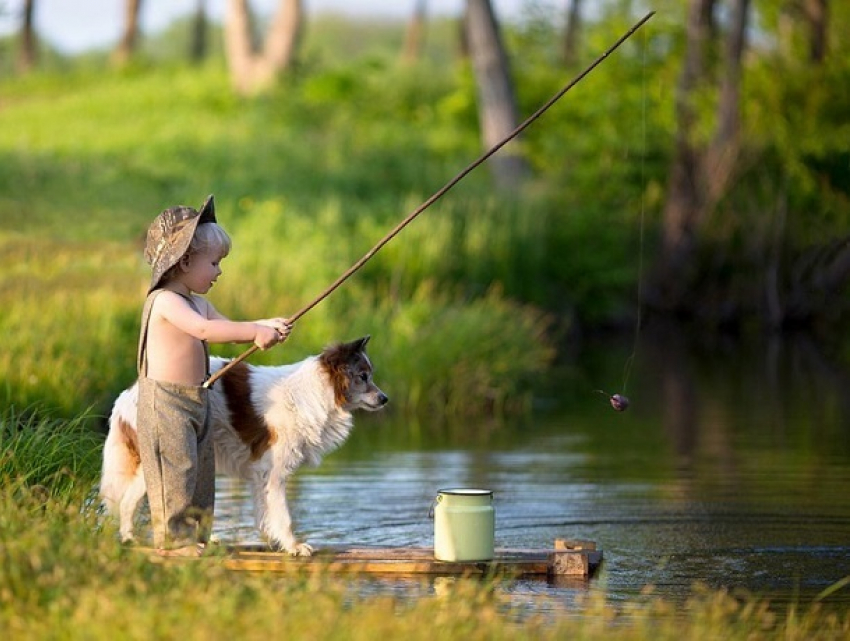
(252, 72)
(497, 106)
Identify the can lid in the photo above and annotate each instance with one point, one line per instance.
(462, 491)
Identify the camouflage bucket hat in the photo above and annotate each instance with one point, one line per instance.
(170, 234)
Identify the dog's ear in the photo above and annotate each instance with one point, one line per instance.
(339, 354)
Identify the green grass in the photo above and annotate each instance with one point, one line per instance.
(59, 458)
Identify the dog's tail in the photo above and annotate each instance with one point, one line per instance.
(121, 461)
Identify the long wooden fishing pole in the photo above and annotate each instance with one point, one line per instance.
(440, 193)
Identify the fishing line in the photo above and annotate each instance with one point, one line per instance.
(620, 402)
(627, 369)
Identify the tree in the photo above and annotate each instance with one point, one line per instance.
(811, 19)
(28, 53)
(816, 16)
(252, 72)
(130, 36)
(700, 173)
(572, 33)
(198, 40)
(414, 37)
(497, 105)
(724, 148)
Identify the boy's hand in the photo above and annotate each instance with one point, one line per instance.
(272, 331)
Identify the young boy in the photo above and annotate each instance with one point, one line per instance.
(184, 248)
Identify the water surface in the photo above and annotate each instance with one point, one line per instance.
(730, 469)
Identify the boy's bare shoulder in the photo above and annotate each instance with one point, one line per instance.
(166, 297)
(168, 302)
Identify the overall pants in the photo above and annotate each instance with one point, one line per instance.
(176, 448)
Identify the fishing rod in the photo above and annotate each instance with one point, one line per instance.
(439, 194)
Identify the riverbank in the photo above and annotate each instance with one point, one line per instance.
(61, 570)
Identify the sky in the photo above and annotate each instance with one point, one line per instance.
(74, 26)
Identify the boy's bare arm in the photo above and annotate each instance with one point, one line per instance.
(219, 329)
(281, 325)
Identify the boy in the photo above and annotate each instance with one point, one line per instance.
(184, 248)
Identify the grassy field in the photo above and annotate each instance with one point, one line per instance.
(90, 158)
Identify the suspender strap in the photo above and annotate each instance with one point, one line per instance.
(194, 306)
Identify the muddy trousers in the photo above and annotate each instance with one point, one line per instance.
(178, 460)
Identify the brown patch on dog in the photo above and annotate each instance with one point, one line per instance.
(341, 362)
(129, 436)
(249, 425)
(335, 360)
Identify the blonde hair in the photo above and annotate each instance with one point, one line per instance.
(208, 237)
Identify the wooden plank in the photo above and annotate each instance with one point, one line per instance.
(567, 558)
(420, 560)
(394, 566)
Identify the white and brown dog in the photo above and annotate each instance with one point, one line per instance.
(267, 421)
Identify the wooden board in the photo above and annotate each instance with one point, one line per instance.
(382, 561)
(566, 558)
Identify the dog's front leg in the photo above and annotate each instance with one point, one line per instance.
(278, 522)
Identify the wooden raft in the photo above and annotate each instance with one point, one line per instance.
(567, 558)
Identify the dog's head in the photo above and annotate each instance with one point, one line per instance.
(350, 371)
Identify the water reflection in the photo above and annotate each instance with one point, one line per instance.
(731, 468)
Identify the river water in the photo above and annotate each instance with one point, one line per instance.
(730, 469)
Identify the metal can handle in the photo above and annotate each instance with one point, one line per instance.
(436, 500)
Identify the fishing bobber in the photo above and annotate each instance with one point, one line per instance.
(619, 402)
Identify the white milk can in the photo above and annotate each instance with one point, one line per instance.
(464, 525)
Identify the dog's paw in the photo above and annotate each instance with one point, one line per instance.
(300, 549)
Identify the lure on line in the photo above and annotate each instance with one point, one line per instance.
(618, 401)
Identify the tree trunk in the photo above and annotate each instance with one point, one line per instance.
(238, 44)
(723, 153)
(572, 33)
(685, 198)
(284, 36)
(28, 53)
(129, 38)
(414, 37)
(198, 40)
(251, 72)
(701, 174)
(817, 17)
(497, 106)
